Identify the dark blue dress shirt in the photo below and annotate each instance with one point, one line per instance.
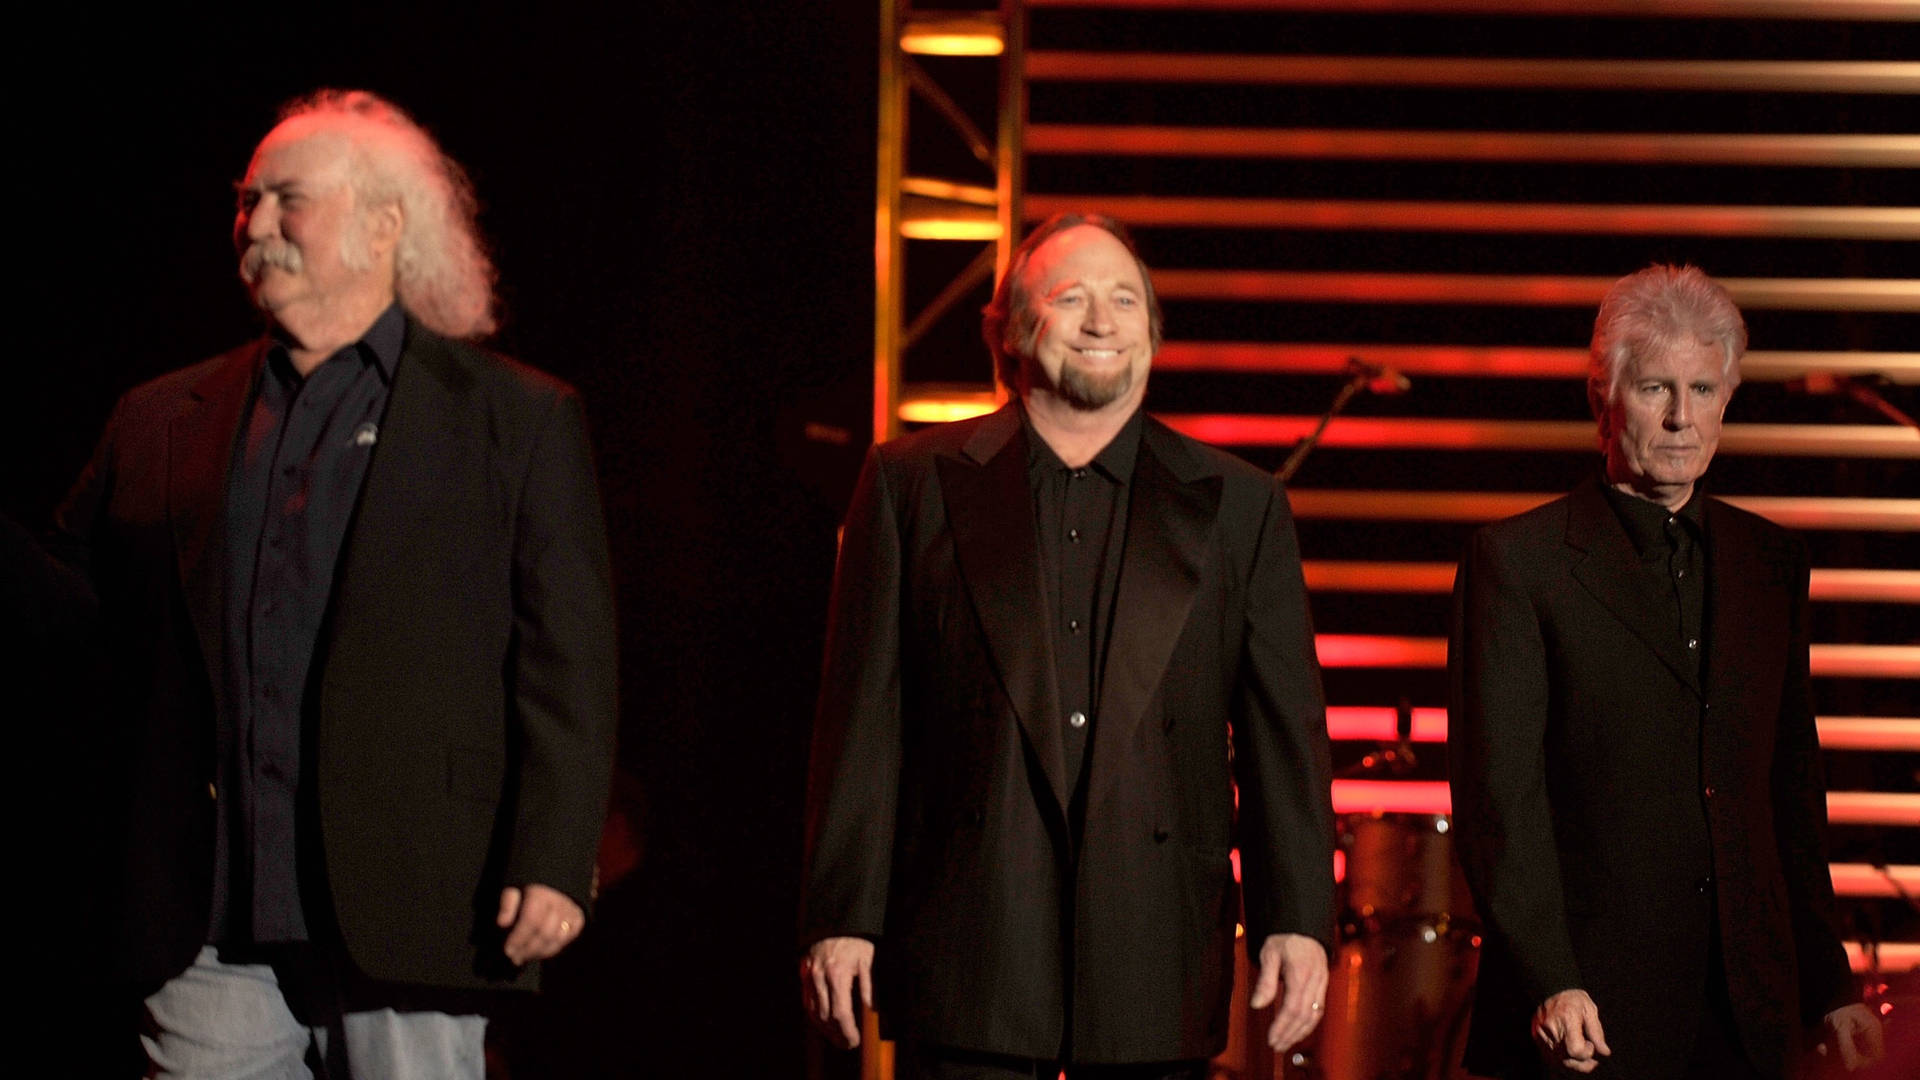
(298, 464)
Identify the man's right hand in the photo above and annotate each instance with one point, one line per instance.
(827, 974)
(1566, 1031)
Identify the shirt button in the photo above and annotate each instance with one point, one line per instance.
(1073, 625)
(1693, 643)
(1679, 573)
(1708, 792)
(1073, 535)
(1077, 720)
(213, 792)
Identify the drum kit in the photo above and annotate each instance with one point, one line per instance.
(1401, 977)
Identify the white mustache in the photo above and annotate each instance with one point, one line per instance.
(262, 254)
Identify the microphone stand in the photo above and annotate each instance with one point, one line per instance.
(1359, 374)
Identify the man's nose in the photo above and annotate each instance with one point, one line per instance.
(258, 222)
(1099, 316)
(1680, 412)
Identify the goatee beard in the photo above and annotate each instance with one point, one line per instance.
(1086, 391)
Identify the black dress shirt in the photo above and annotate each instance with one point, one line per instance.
(1082, 519)
(1672, 547)
(298, 464)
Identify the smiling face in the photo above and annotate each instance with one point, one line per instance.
(1663, 425)
(1091, 344)
(305, 248)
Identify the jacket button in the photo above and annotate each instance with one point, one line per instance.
(1708, 792)
(213, 792)
(1077, 720)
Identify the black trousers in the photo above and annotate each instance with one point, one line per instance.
(925, 1061)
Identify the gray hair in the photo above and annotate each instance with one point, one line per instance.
(1653, 308)
(442, 271)
(1009, 323)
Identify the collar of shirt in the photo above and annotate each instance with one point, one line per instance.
(1114, 461)
(1646, 521)
(380, 346)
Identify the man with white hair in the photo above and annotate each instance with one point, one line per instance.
(1636, 776)
(354, 584)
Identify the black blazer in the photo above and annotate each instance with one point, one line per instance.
(1610, 804)
(461, 705)
(939, 822)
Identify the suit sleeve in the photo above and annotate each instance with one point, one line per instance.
(562, 665)
(1800, 822)
(854, 776)
(1496, 757)
(1282, 761)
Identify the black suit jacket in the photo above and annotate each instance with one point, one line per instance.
(1600, 783)
(460, 712)
(939, 820)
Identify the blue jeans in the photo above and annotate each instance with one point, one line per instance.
(233, 1021)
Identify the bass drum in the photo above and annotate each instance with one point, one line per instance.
(1401, 982)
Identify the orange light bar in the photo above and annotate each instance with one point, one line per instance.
(1330, 575)
(1866, 661)
(929, 218)
(1477, 361)
(1635, 148)
(1869, 732)
(1326, 575)
(1523, 290)
(1361, 722)
(1827, 661)
(953, 35)
(1892, 10)
(1380, 651)
(1886, 957)
(1378, 724)
(1825, 222)
(1392, 797)
(1863, 879)
(1872, 808)
(1791, 511)
(941, 408)
(1803, 76)
(1381, 433)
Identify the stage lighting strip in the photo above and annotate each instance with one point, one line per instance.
(1827, 585)
(1412, 144)
(1790, 511)
(1523, 290)
(1376, 723)
(1857, 10)
(1434, 797)
(1421, 433)
(1498, 361)
(1481, 72)
(1401, 652)
(1804, 222)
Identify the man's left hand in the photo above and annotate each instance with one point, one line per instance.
(539, 920)
(1298, 963)
(1856, 1034)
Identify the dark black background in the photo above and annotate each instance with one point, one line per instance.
(680, 198)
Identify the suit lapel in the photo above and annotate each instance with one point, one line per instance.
(1173, 501)
(199, 457)
(990, 511)
(405, 483)
(1611, 571)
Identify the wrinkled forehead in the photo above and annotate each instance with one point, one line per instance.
(1683, 355)
(1082, 252)
(303, 149)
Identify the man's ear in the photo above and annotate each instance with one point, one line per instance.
(384, 224)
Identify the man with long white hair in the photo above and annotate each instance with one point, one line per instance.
(1636, 776)
(354, 583)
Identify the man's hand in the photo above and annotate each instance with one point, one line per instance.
(1856, 1033)
(827, 974)
(543, 921)
(1298, 963)
(1566, 1029)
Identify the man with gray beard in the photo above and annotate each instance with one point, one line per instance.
(354, 584)
(1061, 636)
